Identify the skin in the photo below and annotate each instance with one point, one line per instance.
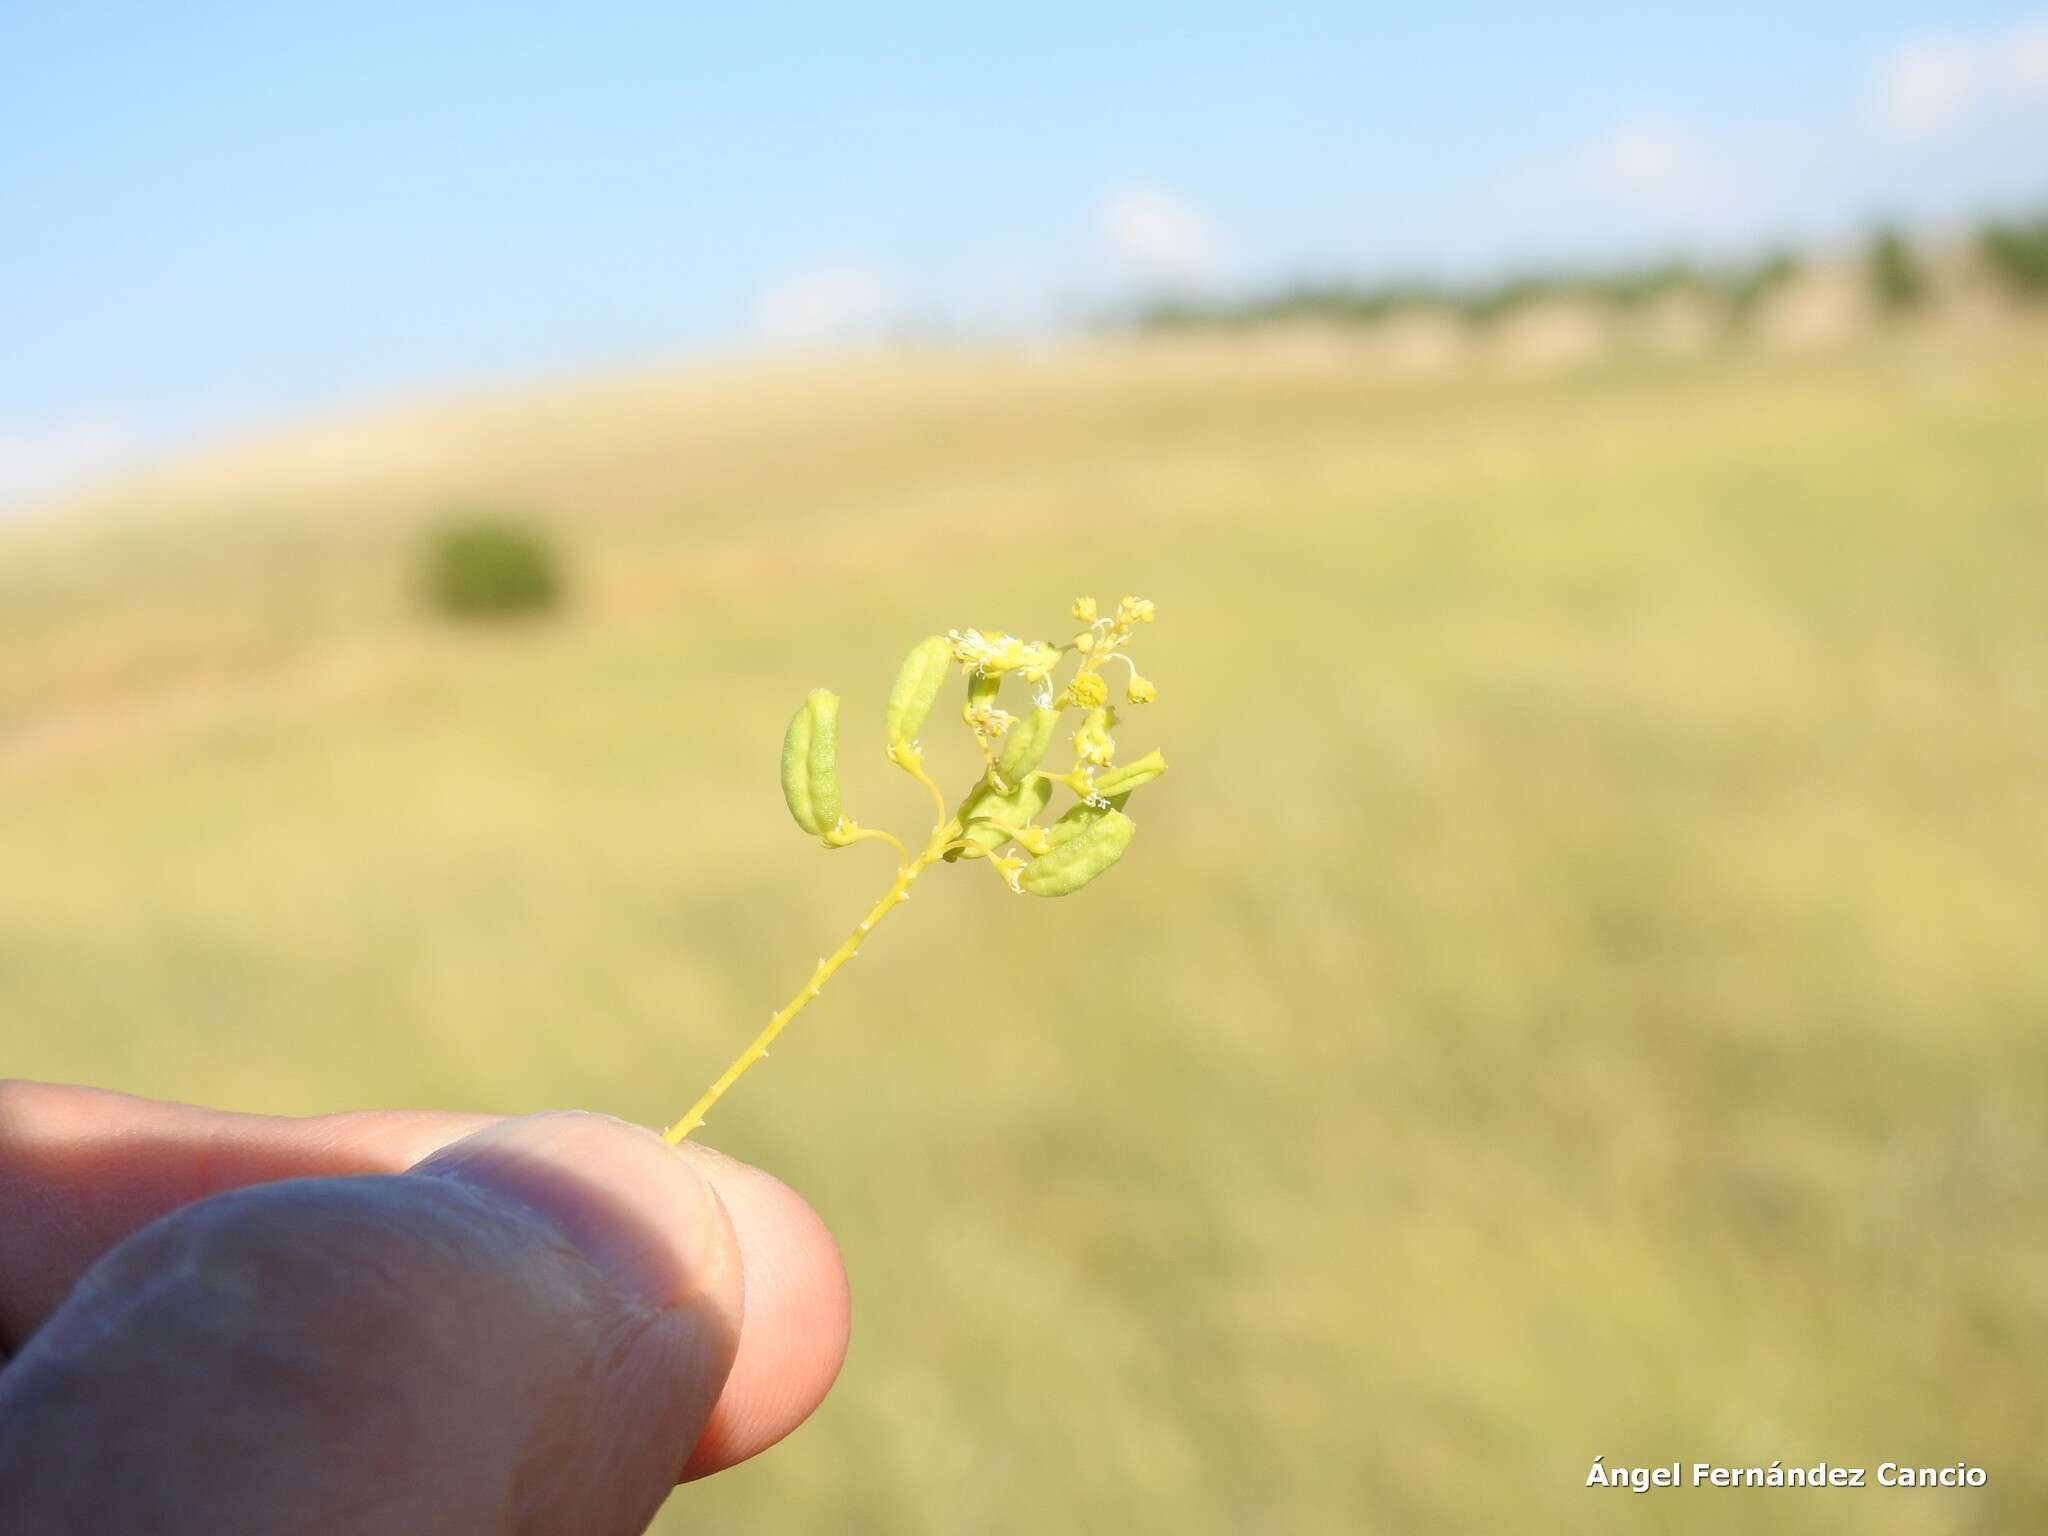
(387, 1321)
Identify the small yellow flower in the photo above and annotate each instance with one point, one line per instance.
(972, 649)
(1135, 610)
(1088, 691)
(1141, 690)
(1084, 610)
(992, 654)
(1093, 744)
(1035, 661)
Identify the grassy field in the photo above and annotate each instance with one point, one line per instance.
(1583, 988)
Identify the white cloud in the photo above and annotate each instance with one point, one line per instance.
(44, 460)
(1667, 179)
(2026, 56)
(1646, 160)
(1647, 187)
(1159, 237)
(827, 306)
(1928, 85)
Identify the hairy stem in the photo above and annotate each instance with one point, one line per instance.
(906, 876)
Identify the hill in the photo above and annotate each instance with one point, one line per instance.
(1578, 993)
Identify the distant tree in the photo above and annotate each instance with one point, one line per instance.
(1897, 280)
(1748, 286)
(486, 565)
(2017, 255)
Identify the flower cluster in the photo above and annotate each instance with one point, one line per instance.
(1000, 820)
(995, 653)
(1105, 640)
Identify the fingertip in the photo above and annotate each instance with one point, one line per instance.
(646, 1218)
(639, 1207)
(798, 1315)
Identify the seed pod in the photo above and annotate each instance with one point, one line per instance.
(810, 763)
(1079, 818)
(917, 685)
(1121, 781)
(982, 688)
(1081, 857)
(998, 816)
(1024, 748)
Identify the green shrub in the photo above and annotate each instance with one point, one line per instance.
(1747, 286)
(488, 566)
(2018, 255)
(1897, 280)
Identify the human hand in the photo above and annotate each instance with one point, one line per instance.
(388, 1321)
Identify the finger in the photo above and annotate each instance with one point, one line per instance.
(798, 1315)
(81, 1168)
(527, 1332)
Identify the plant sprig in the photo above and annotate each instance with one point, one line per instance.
(997, 821)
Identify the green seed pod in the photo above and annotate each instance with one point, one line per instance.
(1081, 857)
(1078, 819)
(982, 688)
(999, 817)
(1121, 781)
(810, 763)
(916, 687)
(1024, 748)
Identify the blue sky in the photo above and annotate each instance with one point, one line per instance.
(217, 216)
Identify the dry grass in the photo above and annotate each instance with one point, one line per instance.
(1580, 991)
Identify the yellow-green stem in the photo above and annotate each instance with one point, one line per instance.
(915, 768)
(906, 877)
(859, 834)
